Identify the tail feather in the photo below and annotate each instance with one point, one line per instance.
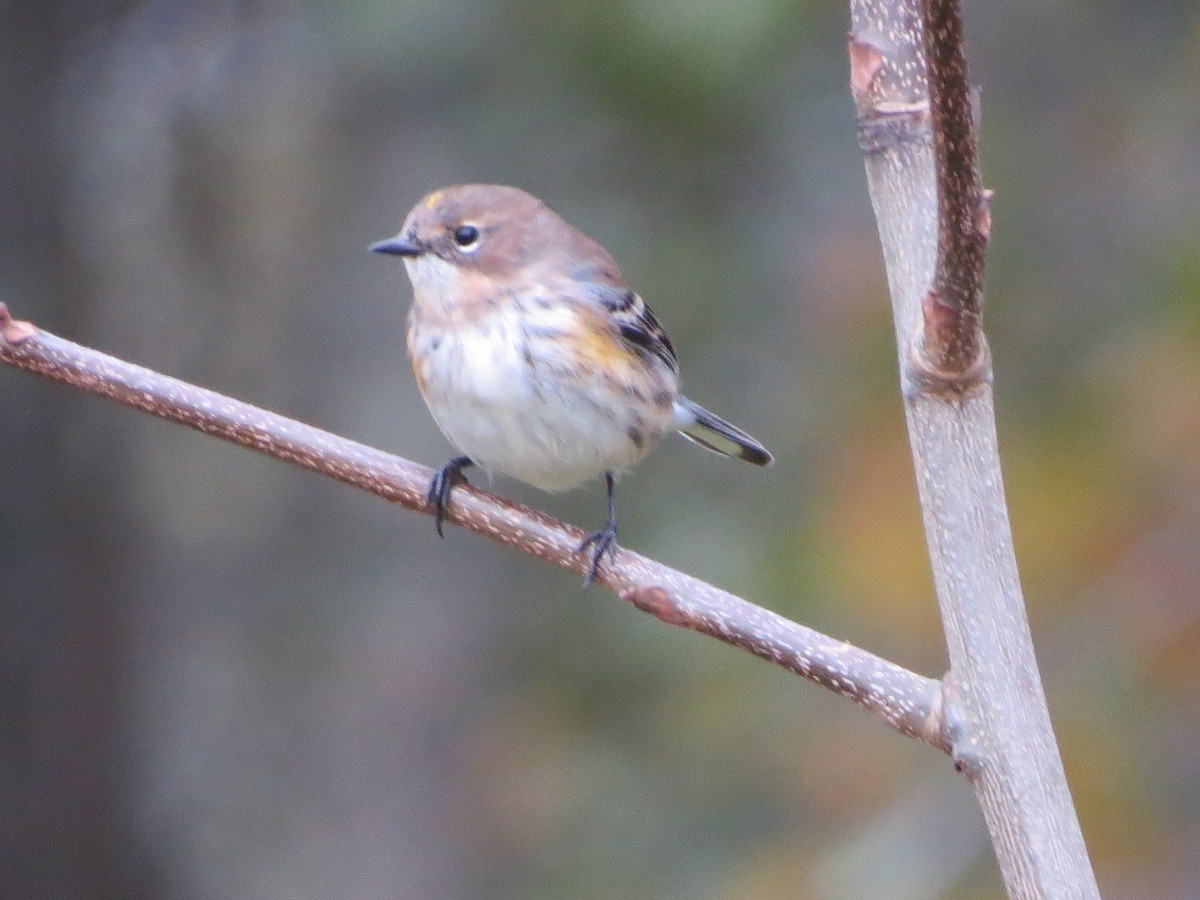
(713, 433)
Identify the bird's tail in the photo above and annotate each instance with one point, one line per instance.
(713, 433)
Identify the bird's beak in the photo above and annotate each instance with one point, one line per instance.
(398, 246)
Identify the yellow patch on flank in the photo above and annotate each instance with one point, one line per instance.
(598, 347)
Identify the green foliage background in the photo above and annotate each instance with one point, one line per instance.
(223, 678)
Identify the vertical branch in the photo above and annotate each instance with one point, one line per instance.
(918, 140)
(953, 336)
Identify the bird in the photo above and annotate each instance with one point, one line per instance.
(534, 357)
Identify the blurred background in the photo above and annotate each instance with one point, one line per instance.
(222, 677)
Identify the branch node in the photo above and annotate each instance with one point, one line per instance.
(14, 331)
(657, 602)
(934, 728)
(924, 374)
(961, 733)
(968, 759)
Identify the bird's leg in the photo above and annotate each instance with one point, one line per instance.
(604, 539)
(442, 484)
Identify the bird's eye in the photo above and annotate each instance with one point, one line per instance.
(466, 236)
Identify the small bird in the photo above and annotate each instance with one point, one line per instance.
(533, 355)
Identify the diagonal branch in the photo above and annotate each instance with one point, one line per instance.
(910, 703)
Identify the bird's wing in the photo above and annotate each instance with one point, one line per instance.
(637, 324)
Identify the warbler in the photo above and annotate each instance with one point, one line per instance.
(533, 355)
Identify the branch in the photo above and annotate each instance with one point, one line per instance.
(953, 337)
(910, 703)
(933, 223)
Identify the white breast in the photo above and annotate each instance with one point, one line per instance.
(516, 405)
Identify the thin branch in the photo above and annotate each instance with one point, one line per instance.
(910, 703)
(933, 223)
(953, 336)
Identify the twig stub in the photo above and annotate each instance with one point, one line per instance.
(14, 331)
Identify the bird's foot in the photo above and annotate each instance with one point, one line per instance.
(442, 484)
(600, 542)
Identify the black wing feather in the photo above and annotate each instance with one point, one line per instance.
(639, 326)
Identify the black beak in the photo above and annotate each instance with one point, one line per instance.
(397, 246)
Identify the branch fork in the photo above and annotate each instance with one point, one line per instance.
(934, 221)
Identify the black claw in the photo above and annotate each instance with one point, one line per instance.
(442, 484)
(603, 540)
